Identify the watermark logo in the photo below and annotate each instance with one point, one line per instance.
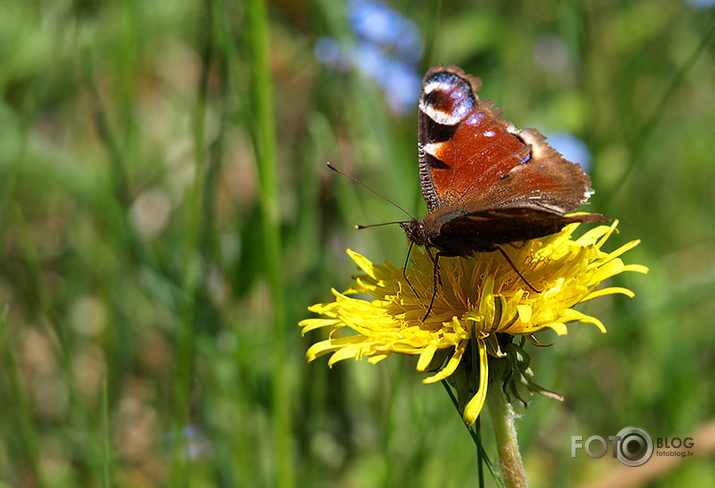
(632, 446)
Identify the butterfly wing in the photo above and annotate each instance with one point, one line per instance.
(472, 159)
(483, 230)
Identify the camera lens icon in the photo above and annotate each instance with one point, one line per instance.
(635, 446)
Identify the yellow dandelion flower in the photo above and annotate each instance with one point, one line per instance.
(480, 295)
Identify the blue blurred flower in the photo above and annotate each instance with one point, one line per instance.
(376, 23)
(387, 50)
(402, 84)
(328, 51)
(194, 440)
(700, 3)
(573, 149)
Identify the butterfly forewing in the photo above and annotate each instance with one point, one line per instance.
(485, 182)
(470, 157)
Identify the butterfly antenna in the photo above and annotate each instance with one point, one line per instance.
(360, 226)
(339, 171)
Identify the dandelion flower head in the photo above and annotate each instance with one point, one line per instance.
(479, 296)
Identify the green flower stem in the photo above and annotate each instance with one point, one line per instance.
(503, 422)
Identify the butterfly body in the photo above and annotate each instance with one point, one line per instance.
(485, 182)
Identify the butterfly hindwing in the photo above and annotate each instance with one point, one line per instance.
(483, 230)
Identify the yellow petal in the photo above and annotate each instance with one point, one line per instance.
(313, 324)
(348, 351)
(524, 312)
(557, 327)
(609, 291)
(474, 407)
(592, 236)
(325, 347)
(571, 315)
(611, 230)
(450, 367)
(636, 268)
(363, 263)
(426, 357)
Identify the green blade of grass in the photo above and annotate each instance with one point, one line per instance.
(27, 440)
(106, 476)
(264, 136)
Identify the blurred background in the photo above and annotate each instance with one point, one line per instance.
(166, 218)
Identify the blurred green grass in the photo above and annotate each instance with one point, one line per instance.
(149, 341)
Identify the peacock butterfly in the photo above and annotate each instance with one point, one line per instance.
(486, 182)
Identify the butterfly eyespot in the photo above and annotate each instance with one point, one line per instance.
(459, 94)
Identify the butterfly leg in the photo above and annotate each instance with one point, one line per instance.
(513, 266)
(436, 280)
(404, 270)
(435, 260)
